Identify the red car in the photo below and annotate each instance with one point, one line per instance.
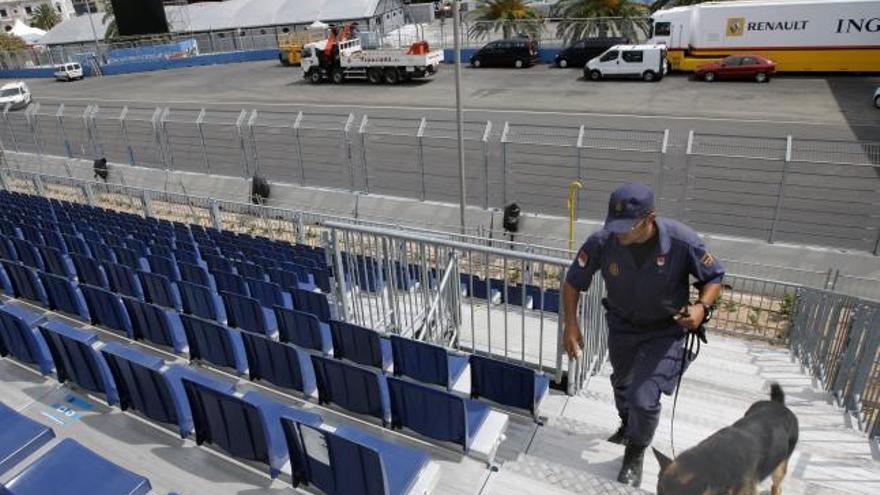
(737, 67)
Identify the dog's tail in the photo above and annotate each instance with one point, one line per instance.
(776, 393)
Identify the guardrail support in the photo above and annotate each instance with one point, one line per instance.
(504, 137)
(302, 166)
(484, 144)
(780, 194)
(421, 157)
(199, 125)
(362, 131)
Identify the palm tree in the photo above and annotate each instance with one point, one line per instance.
(45, 17)
(508, 16)
(605, 18)
(11, 42)
(109, 20)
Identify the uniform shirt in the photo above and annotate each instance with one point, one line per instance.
(650, 294)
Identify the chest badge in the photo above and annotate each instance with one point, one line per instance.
(614, 269)
(661, 261)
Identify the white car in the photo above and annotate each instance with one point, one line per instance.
(877, 98)
(70, 71)
(16, 95)
(646, 62)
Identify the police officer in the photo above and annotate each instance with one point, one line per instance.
(646, 262)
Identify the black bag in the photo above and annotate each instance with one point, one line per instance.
(101, 170)
(259, 190)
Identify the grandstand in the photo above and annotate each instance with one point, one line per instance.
(248, 353)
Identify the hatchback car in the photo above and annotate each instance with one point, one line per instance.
(515, 52)
(16, 94)
(737, 67)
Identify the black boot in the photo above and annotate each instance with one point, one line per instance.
(619, 436)
(631, 471)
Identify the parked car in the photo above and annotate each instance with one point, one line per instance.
(877, 98)
(70, 71)
(16, 95)
(578, 53)
(514, 52)
(737, 67)
(646, 62)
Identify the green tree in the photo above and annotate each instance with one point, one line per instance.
(10, 42)
(583, 18)
(662, 4)
(109, 20)
(508, 16)
(45, 17)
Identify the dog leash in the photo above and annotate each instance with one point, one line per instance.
(692, 345)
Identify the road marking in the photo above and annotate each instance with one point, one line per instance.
(53, 418)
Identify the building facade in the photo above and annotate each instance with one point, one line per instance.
(23, 10)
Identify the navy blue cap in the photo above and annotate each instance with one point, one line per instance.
(629, 204)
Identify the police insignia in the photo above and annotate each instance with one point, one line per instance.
(583, 258)
(661, 260)
(614, 269)
(619, 207)
(707, 259)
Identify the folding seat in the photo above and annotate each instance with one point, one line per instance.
(304, 330)
(7, 249)
(215, 343)
(366, 271)
(268, 293)
(405, 277)
(139, 246)
(31, 233)
(130, 258)
(348, 461)
(201, 301)
(19, 438)
(303, 273)
(156, 324)
(164, 266)
(124, 280)
(25, 283)
(71, 468)
(76, 244)
(77, 358)
(361, 345)
(57, 262)
(28, 254)
(9, 229)
(20, 338)
(54, 239)
(517, 296)
(90, 271)
(65, 296)
(147, 384)
(159, 290)
(107, 309)
(248, 314)
(312, 302)
(229, 282)
(509, 384)
(246, 426)
(195, 273)
(217, 263)
(437, 414)
(161, 249)
(427, 363)
(102, 252)
(277, 362)
(187, 255)
(550, 302)
(354, 388)
(249, 270)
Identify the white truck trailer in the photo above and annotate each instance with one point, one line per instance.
(799, 35)
(354, 62)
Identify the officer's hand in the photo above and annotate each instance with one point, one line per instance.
(693, 318)
(573, 340)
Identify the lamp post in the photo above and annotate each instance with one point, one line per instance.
(459, 113)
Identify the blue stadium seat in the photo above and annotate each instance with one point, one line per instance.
(404, 276)
(54, 239)
(218, 263)
(246, 269)
(303, 273)
(57, 262)
(248, 314)
(137, 245)
(201, 301)
(268, 293)
(508, 384)
(156, 324)
(124, 280)
(65, 295)
(304, 330)
(290, 280)
(130, 258)
(7, 249)
(158, 289)
(147, 384)
(280, 363)
(427, 363)
(20, 338)
(19, 438)
(31, 233)
(107, 309)
(71, 468)
(246, 427)
(518, 296)
(229, 282)
(77, 358)
(196, 274)
(25, 283)
(90, 271)
(361, 345)
(164, 266)
(348, 461)
(28, 254)
(76, 244)
(215, 343)
(312, 302)
(186, 253)
(435, 413)
(367, 272)
(161, 250)
(5, 282)
(100, 251)
(352, 387)
(550, 302)
(9, 229)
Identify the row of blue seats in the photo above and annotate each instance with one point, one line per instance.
(67, 467)
(497, 292)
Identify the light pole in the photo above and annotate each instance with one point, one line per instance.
(94, 35)
(459, 113)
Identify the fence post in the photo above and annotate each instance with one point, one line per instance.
(89, 121)
(216, 219)
(251, 123)
(31, 116)
(148, 204)
(167, 140)
(877, 244)
(560, 348)
(484, 143)
(300, 228)
(199, 121)
(302, 166)
(661, 173)
(59, 116)
(342, 294)
(157, 143)
(363, 133)
(421, 155)
(578, 146)
(38, 185)
(238, 127)
(9, 125)
(90, 193)
(129, 152)
(348, 156)
(504, 164)
(3, 183)
(687, 175)
(780, 194)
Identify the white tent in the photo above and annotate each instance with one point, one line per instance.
(30, 35)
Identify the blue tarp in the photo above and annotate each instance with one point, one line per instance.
(168, 51)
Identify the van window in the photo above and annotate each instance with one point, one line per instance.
(609, 56)
(632, 56)
(662, 28)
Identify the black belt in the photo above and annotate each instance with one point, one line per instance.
(660, 324)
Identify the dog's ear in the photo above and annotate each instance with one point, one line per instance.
(662, 459)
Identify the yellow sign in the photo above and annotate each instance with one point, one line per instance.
(736, 26)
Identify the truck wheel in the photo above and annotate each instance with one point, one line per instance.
(649, 76)
(709, 76)
(338, 76)
(595, 75)
(315, 77)
(762, 77)
(374, 75)
(391, 76)
(518, 63)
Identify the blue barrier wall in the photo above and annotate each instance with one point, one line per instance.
(546, 55)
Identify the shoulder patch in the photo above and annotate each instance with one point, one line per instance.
(707, 259)
(583, 258)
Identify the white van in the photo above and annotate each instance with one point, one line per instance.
(70, 71)
(15, 94)
(646, 62)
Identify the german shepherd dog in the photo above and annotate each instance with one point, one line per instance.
(733, 460)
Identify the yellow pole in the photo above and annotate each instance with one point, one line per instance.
(573, 187)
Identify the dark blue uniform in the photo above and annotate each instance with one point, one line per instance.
(646, 345)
